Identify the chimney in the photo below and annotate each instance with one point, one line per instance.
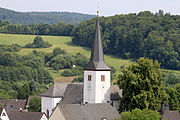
(47, 113)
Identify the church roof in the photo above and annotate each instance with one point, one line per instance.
(100, 111)
(72, 93)
(56, 90)
(97, 55)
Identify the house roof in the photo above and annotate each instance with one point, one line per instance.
(56, 90)
(14, 115)
(88, 111)
(72, 93)
(171, 115)
(97, 55)
(13, 104)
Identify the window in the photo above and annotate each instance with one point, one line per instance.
(102, 78)
(89, 77)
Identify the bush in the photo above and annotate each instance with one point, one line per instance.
(38, 43)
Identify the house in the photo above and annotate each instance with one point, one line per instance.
(97, 111)
(3, 114)
(169, 114)
(13, 104)
(15, 115)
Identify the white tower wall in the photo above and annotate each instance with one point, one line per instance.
(95, 90)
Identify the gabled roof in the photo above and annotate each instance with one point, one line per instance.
(97, 55)
(72, 93)
(13, 104)
(88, 111)
(14, 115)
(56, 90)
(171, 115)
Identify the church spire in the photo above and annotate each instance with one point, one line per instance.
(97, 55)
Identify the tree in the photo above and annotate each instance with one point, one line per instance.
(35, 105)
(141, 85)
(38, 43)
(138, 114)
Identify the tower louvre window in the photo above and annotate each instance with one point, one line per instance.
(89, 77)
(102, 78)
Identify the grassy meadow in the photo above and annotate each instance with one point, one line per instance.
(66, 44)
(58, 41)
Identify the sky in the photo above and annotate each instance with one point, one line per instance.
(106, 7)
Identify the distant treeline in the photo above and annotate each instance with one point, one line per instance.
(28, 18)
(60, 29)
(154, 36)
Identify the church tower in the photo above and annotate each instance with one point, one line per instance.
(96, 73)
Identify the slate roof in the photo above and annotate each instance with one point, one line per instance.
(14, 115)
(97, 55)
(13, 104)
(88, 111)
(171, 115)
(56, 90)
(72, 93)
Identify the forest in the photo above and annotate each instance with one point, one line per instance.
(59, 29)
(154, 36)
(24, 75)
(42, 17)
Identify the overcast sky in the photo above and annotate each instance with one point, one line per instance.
(107, 7)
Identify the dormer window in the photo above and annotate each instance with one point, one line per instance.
(102, 78)
(89, 77)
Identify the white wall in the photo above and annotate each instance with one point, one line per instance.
(4, 117)
(49, 103)
(96, 91)
(44, 117)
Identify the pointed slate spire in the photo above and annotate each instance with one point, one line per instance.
(97, 55)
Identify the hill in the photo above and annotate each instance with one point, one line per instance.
(42, 17)
(58, 41)
(154, 36)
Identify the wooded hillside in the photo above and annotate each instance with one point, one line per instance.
(155, 36)
(42, 17)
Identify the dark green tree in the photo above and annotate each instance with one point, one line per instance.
(138, 114)
(35, 105)
(141, 85)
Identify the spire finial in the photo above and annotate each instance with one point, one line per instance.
(98, 7)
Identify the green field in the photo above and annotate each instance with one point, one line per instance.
(58, 41)
(64, 43)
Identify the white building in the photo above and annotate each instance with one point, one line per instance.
(3, 114)
(51, 97)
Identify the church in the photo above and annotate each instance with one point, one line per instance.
(94, 99)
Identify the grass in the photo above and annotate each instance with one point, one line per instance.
(64, 43)
(58, 41)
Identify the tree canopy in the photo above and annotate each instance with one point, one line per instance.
(154, 36)
(141, 85)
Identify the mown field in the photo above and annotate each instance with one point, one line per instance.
(62, 42)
